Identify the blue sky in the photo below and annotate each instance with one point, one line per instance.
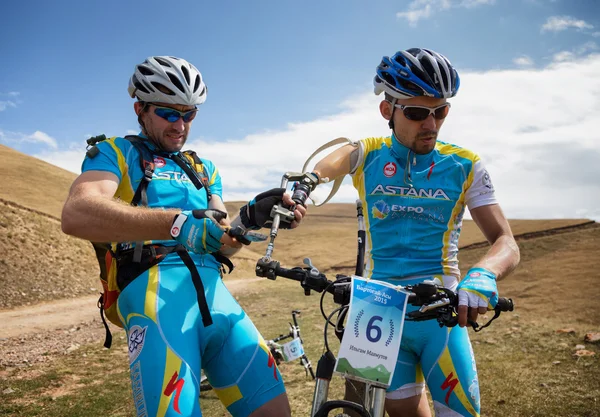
(284, 77)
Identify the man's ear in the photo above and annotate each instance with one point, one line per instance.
(138, 106)
(385, 108)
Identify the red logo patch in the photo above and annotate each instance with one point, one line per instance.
(174, 385)
(159, 162)
(449, 382)
(475, 274)
(389, 169)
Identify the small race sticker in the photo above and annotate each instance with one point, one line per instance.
(389, 170)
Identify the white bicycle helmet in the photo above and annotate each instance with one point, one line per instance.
(166, 79)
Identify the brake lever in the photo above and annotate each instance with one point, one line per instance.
(245, 236)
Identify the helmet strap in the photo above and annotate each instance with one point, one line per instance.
(391, 121)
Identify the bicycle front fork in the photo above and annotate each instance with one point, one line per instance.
(374, 398)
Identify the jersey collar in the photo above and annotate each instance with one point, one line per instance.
(404, 154)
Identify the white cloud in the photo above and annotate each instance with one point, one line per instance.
(69, 159)
(535, 129)
(523, 61)
(560, 23)
(13, 100)
(6, 104)
(423, 9)
(586, 48)
(413, 16)
(16, 138)
(577, 52)
(563, 56)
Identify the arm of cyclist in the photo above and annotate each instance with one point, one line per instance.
(338, 163)
(478, 291)
(92, 213)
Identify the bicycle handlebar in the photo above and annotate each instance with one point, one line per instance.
(436, 301)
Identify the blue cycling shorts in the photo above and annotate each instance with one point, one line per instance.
(440, 357)
(168, 344)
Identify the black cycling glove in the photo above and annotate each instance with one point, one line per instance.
(257, 213)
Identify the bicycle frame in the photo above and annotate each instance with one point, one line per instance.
(294, 334)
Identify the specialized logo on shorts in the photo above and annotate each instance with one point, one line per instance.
(389, 169)
(159, 162)
(271, 360)
(137, 338)
(175, 385)
(380, 210)
(449, 382)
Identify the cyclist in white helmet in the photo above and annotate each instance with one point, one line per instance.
(178, 315)
(415, 189)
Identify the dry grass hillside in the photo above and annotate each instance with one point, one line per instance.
(33, 183)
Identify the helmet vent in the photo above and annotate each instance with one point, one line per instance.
(444, 78)
(400, 59)
(388, 77)
(429, 70)
(162, 88)
(145, 70)
(186, 74)
(410, 86)
(176, 82)
(197, 83)
(139, 86)
(162, 62)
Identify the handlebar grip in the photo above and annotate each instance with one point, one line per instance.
(505, 304)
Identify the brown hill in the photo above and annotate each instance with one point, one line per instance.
(33, 183)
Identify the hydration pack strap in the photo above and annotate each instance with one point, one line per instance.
(337, 181)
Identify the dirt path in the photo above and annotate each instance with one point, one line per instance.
(37, 333)
(64, 313)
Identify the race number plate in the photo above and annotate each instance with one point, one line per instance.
(292, 350)
(371, 341)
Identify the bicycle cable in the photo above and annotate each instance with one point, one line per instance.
(327, 324)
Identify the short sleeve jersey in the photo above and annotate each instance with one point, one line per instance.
(170, 186)
(415, 205)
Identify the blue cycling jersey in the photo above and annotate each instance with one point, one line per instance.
(415, 205)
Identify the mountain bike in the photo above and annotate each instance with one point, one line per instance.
(435, 302)
(287, 352)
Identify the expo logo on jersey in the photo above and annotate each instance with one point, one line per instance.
(159, 162)
(389, 169)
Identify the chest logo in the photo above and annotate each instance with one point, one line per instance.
(389, 169)
(159, 162)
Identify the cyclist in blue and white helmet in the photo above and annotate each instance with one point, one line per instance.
(415, 190)
(422, 74)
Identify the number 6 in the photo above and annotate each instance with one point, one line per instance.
(377, 329)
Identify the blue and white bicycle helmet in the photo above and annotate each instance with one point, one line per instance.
(416, 72)
(167, 79)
